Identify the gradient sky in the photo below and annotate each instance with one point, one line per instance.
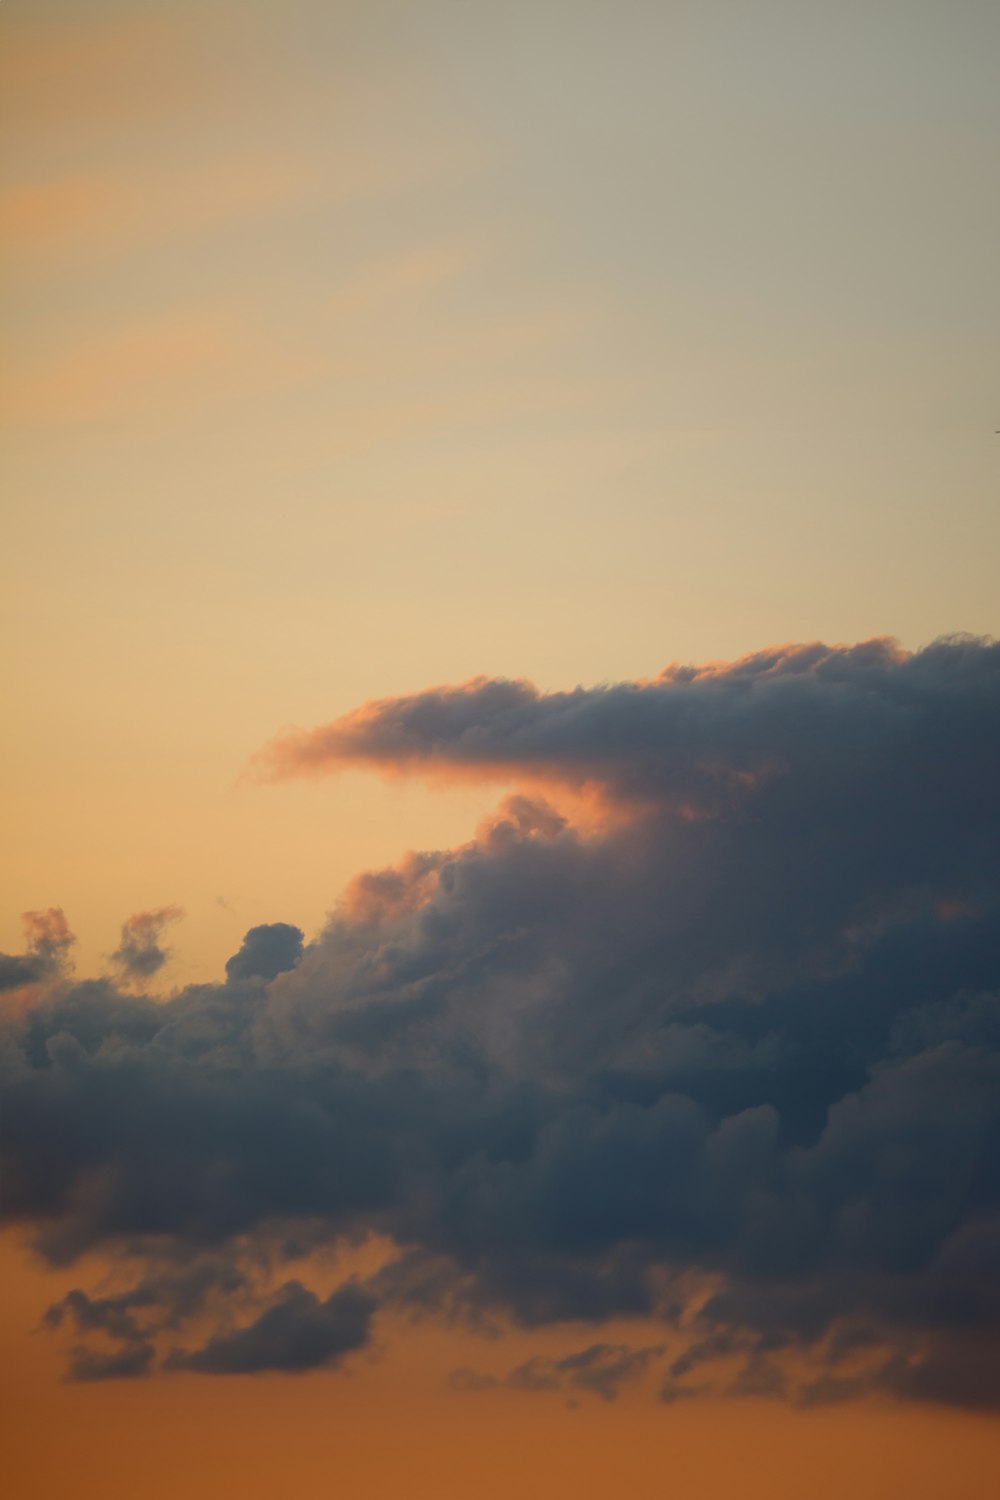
(353, 347)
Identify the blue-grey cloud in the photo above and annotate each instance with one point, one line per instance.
(266, 952)
(296, 1333)
(18, 969)
(745, 1030)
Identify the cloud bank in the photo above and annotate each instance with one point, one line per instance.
(727, 1061)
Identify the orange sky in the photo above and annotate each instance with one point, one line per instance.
(355, 348)
(388, 1424)
(329, 375)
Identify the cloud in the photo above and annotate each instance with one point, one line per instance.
(18, 969)
(49, 936)
(48, 943)
(266, 952)
(162, 1300)
(728, 1061)
(601, 1369)
(87, 1365)
(793, 719)
(297, 1332)
(140, 954)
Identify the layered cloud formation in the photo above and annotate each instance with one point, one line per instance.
(724, 1058)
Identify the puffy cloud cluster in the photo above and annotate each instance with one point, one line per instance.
(728, 1060)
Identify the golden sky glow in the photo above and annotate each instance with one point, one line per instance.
(352, 348)
(392, 1422)
(355, 348)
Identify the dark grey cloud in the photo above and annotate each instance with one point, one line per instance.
(122, 1326)
(778, 728)
(159, 1301)
(266, 952)
(746, 1029)
(297, 1332)
(17, 969)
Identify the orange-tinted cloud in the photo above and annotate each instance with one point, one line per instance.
(26, 977)
(140, 953)
(48, 933)
(696, 738)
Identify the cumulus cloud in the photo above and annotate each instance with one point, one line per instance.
(266, 952)
(727, 1061)
(140, 953)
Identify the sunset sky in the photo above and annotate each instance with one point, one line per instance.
(477, 1015)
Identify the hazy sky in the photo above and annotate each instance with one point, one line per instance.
(356, 347)
(353, 347)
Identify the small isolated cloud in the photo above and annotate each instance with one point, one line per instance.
(141, 953)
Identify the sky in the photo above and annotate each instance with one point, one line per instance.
(485, 995)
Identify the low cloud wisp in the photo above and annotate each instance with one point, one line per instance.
(141, 952)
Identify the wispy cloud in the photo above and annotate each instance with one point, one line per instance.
(141, 953)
